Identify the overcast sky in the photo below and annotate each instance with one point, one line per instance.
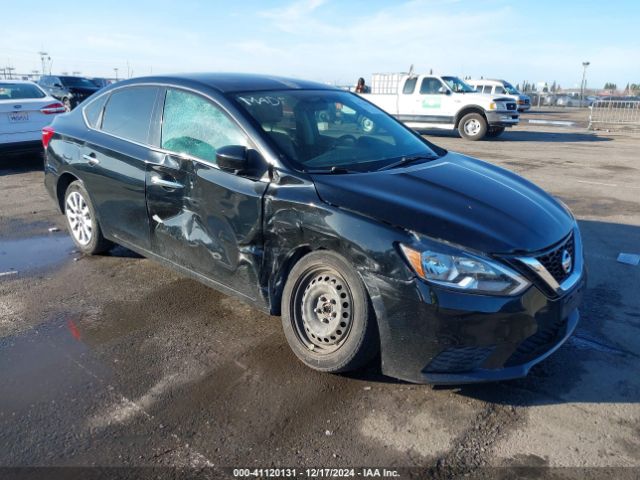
(330, 40)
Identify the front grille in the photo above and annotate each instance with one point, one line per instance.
(552, 260)
(526, 101)
(459, 359)
(511, 106)
(538, 343)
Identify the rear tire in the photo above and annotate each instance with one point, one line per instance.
(472, 126)
(327, 316)
(82, 221)
(494, 132)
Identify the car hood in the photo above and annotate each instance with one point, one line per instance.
(457, 199)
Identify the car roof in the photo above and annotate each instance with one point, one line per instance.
(488, 81)
(4, 80)
(232, 82)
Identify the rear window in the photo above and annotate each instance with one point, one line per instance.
(15, 91)
(93, 111)
(128, 113)
(77, 82)
(410, 86)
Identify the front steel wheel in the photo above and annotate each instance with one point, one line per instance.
(323, 302)
(326, 314)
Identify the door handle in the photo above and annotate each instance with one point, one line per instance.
(161, 182)
(91, 159)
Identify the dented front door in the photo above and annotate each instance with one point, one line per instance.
(203, 218)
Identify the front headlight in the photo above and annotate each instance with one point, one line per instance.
(454, 268)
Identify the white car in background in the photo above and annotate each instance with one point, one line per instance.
(502, 87)
(25, 109)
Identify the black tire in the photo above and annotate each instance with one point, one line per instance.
(472, 126)
(82, 222)
(494, 132)
(347, 337)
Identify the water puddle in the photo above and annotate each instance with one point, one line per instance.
(45, 363)
(34, 253)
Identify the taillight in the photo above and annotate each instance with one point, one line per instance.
(53, 108)
(47, 134)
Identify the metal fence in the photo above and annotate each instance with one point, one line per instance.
(615, 114)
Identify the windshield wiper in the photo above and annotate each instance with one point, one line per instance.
(334, 170)
(407, 160)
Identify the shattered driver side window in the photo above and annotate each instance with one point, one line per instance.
(195, 126)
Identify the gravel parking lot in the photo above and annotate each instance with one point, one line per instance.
(114, 360)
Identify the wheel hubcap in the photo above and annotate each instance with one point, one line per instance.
(326, 311)
(472, 127)
(79, 218)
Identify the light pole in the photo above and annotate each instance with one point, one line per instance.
(43, 56)
(116, 70)
(584, 80)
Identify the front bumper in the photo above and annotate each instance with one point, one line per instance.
(503, 118)
(433, 335)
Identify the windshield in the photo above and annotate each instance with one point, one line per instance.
(457, 85)
(320, 130)
(77, 82)
(14, 91)
(510, 89)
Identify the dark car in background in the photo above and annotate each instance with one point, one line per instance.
(100, 82)
(366, 241)
(71, 91)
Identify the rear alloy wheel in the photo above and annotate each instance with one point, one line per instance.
(472, 126)
(326, 314)
(494, 132)
(82, 222)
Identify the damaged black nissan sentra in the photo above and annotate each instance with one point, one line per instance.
(311, 203)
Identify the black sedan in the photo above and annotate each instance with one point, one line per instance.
(69, 90)
(366, 241)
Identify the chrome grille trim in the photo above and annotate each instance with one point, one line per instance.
(578, 265)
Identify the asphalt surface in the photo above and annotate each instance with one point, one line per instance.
(115, 361)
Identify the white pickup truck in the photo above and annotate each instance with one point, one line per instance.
(444, 102)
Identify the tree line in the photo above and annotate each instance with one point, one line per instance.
(529, 87)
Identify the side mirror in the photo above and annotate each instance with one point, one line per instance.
(444, 91)
(232, 158)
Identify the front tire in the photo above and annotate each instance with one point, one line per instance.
(472, 126)
(327, 316)
(82, 221)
